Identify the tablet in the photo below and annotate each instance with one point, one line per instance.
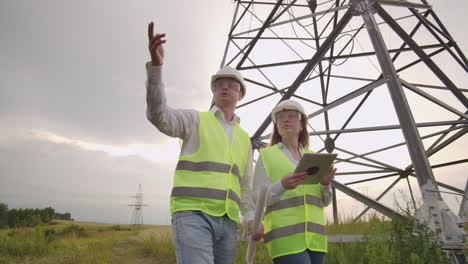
(316, 165)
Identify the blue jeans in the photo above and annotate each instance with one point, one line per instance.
(305, 257)
(200, 238)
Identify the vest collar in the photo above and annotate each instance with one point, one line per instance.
(220, 115)
(283, 147)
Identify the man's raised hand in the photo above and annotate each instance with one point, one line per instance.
(155, 46)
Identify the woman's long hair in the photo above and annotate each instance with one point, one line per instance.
(303, 135)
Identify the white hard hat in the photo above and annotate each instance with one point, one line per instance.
(229, 72)
(287, 105)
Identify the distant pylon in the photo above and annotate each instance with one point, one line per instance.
(137, 215)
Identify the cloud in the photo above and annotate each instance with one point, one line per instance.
(80, 66)
(166, 152)
(86, 179)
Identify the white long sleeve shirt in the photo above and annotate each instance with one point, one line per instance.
(184, 123)
(261, 180)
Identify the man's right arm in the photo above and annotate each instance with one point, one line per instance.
(172, 122)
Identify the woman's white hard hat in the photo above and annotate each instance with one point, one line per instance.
(287, 105)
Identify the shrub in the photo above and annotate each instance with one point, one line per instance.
(50, 234)
(407, 241)
(75, 230)
(119, 228)
(19, 244)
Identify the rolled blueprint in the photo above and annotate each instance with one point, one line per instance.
(259, 211)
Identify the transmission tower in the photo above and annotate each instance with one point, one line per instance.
(137, 214)
(351, 63)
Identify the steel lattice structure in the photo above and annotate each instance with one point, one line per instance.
(137, 214)
(352, 63)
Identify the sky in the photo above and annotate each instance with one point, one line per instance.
(73, 130)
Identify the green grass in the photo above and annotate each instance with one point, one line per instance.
(261, 253)
(19, 243)
(83, 243)
(68, 243)
(158, 246)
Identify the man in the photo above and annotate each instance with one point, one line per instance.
(213, 177)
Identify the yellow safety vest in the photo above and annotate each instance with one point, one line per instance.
(297, 221)
(209, 180)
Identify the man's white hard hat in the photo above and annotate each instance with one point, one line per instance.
(287, 105)
(229, 72)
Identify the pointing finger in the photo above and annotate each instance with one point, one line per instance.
(150, 30)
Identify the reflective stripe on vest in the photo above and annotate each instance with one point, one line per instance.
(204, 193)
(294, 229)
(293, 202)
(207, 166)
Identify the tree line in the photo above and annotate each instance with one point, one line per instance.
(14, 218)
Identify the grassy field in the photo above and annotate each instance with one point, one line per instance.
(79, 242)
(75, 242)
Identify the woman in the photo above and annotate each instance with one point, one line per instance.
(294, 220)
